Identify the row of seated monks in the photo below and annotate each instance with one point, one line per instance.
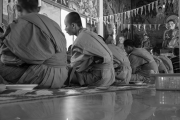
(33, 51)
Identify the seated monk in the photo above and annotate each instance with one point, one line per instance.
(167, 62)
(33, 50)
(91, 61)
(142, 62)
(120, 42)
(121, 63)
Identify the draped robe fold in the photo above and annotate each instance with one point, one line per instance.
(40, 43)
(161, 67)
(142, 64)
(121, 64)
(86, 50)
(168, 63)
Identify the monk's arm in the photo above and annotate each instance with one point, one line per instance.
(8, 30)
(162, 67)
(78, 56)
(134, 63)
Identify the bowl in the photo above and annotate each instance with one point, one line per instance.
(21, 86)
(167, 81)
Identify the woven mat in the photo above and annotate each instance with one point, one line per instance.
(9, 96)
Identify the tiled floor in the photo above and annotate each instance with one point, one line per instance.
(141, 104)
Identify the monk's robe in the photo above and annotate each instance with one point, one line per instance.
(121, 46)
(91, 60)
(160, 64)
(142, 64)
(146, 44)
(121, 64)
(40, 44)
(168, 63)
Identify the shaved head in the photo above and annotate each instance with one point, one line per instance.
(29, 5)
(74, 17)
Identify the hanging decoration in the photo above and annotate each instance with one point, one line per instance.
(137, 10)
(118, 18)
(135, 25)
(150, 26)
(149, 7)
(139, 27)
(134, 12)
(39, 3)
(124, 15)
(156, 3)
(127, 14)
(91, 21)
(141, 10)
(145, 10)
(129, 25)
(159, 26)
(144, 27)
(153, 6)
(155, 26)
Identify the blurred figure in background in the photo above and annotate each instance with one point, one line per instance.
(175, 60)
(142, 62)
(146, 44)
(121, 63)
(171, 36)
(120, 42)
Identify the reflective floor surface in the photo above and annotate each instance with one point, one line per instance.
(141, 104)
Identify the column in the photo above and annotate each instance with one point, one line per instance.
(100, 25)
(179, 24)
(1, 11)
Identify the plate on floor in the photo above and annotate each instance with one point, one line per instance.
(136, 82)
(133, 84)
(102, 88)
(21, 86)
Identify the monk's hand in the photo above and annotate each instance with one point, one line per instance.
(1, 40)
(98, 60)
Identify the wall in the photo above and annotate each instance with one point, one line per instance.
(86, 7)
(51, 12)
(112, 7)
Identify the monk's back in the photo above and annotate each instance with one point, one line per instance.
(93, 58)
(40, 43)
(148, 61)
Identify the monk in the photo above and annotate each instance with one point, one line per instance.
(34, 49)
(146, 44)
(120, 41)
(166, 61)
(142, 63)
(121, 63)
(91, 61)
